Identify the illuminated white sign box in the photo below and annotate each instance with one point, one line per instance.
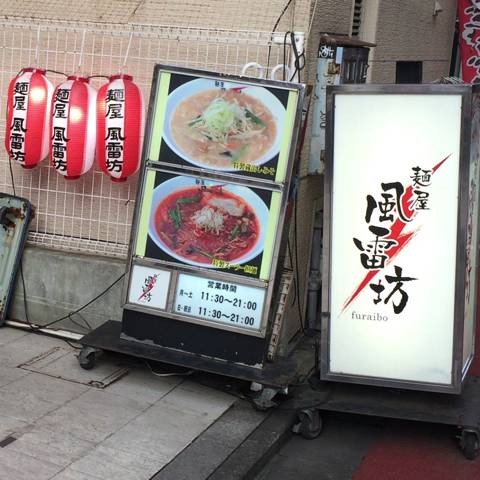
(401, 209)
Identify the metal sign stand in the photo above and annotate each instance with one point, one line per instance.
(280, 374)
(407, 359)
(462, 411)
(220, 309)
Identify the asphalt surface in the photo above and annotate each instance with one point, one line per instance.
(360, 448)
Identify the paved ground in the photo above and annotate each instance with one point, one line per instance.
(121, 422)
(362, 448)
(70, 429)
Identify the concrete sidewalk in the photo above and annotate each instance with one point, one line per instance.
(119, 421)
(60, 422)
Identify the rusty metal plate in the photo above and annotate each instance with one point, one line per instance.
(15, 214)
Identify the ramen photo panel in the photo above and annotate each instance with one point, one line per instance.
(208, 224)
(232, 127)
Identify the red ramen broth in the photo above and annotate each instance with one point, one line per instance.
(203, 223)
(220, 127)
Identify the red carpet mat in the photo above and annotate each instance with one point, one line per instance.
(416, 451)
(419, 451)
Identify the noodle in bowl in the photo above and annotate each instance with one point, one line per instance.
(198, 223)
(213, 127)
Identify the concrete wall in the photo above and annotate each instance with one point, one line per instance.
(407, 30)
(58, 283)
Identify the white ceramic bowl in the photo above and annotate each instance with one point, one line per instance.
(201, 84)
(179, 183)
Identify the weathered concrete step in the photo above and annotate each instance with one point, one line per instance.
(236, 446)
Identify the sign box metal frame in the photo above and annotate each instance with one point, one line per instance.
(468, 151)
(281, 188)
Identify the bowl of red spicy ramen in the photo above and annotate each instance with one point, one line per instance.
(220, 126)
(199, 223)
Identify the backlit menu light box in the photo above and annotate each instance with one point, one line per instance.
(213, 189)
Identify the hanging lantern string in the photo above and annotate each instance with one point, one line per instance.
(37, 55)
(56, 71)
(82, 46)
(127, 52)
(37, 47)
(98, 76)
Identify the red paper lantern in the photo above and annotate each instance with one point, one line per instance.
(28, 112)
(72, 127)
(120, 124)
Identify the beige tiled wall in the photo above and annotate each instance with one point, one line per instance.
(409, 31)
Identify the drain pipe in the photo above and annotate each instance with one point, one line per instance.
(315, 274)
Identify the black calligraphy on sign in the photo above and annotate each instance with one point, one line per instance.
(59, 135)
(373, 252)
(114, 110)
(19, 102)
(115, 95)
(386, 216)
(62, 95)
(114, 133)
(114, 100)
(62, 98)
(18, 127)
(59, 148)
(21, 88)
(398, 282)
(421, 180)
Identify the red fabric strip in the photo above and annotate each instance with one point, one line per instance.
(132, 128)
(77, 128)
(36, 122)
(101, 128)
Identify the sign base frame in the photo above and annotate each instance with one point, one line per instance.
(281, 373)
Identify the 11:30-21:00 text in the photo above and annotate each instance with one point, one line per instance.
(236, 302)
(233, 317)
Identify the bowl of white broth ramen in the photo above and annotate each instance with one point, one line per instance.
(220, 127)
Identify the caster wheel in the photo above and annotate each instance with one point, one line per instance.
(470, 444)
(310, 425)
(88, 357)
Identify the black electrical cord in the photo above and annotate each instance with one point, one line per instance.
(79, 325)
(289, 249)
(277, 22)
(98, 76)
(295, 264)
(57, 72)
(103, 292)
(38, 328)
(284, 72)
(89, 327)
(297, 272)
(299, 62)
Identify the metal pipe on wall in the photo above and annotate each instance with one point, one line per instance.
(315, 274)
